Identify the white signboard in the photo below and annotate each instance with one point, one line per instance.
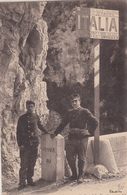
(98, 23)
(104, 24)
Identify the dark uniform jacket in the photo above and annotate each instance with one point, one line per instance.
(80, 119)
(27, 127)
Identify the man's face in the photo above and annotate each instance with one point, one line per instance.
(30, 108)
(75, 103)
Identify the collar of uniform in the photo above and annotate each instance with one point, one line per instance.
(30, 114)
(79, 108)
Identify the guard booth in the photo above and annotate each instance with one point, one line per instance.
(52, 158)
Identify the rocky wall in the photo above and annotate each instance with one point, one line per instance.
(23, 51)
(69, 58)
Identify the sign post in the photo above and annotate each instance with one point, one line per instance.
(97, 24)
(96, 98)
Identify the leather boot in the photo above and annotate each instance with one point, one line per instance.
(30, 182)
(80, 177)
(21, 186)
(74, 175)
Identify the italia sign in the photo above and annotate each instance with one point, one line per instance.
(97, 23)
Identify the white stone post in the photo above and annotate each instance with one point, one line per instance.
(52, 158)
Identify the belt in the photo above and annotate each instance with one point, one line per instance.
(77, 133)
(78, 130)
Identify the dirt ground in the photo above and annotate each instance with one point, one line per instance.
(116, 184)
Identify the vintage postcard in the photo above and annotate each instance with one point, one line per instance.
(63, 97)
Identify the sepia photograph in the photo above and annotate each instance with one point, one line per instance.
(63, 97)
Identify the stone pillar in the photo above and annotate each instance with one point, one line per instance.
(52, 157)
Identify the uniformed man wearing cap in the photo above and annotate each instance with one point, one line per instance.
(82, 123)
(28, 142)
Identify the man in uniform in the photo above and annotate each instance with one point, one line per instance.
(28, 142)
(82, 123)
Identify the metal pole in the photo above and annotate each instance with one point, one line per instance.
(96, 98)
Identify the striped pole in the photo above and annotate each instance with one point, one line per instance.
(96, 98)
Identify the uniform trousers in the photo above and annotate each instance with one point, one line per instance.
(28, 158)
(74, 148)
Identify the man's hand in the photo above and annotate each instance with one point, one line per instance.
(22, 147)
(52, 135)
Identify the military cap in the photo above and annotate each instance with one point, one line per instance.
(30, 102)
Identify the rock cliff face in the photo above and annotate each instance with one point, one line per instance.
(69, 58)
(23, 51)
